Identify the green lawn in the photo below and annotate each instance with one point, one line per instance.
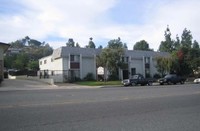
(98, 83)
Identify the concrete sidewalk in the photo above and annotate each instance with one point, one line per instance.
(21, 84)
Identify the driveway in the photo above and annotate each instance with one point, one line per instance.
(21, 84)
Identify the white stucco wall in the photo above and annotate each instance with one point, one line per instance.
(88, 66)
(154, 69)
(54, 67)
(57, 67)
(66, 63)
(43, 65)
(60, 66)
(138, 65)
(51, 64)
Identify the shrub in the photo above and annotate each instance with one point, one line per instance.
(113, 77)
(89, 77)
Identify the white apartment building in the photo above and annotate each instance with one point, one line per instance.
(140, 62)
(73, 62)
(69, 62)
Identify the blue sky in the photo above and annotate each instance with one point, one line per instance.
(55, 21)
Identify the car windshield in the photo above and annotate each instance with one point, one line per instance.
(168, 76)
(135, 77)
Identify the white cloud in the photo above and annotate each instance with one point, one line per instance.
(80, 20)
(178, 15)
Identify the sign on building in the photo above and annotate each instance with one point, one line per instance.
(100, 71)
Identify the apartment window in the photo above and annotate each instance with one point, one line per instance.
(52, 73)
(75, 58)
(40, 62)
(71, 57)
(133, 71)
(45, 61)
(125, 59)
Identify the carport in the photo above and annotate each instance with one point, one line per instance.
(3, 49)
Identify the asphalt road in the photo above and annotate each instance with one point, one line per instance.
(149, 108)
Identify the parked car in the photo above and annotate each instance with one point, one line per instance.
(172, 79)
(197, 80)
(137, 79)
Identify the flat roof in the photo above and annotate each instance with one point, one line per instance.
(65, 51)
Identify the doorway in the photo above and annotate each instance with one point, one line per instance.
(125, 74)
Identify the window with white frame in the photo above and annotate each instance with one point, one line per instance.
(75, 58)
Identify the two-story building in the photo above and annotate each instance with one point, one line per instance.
(140, 62)
(72, 62)
(69, 62)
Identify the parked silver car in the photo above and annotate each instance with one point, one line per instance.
(197, 80)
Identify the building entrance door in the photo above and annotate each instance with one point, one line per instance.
(125, 74)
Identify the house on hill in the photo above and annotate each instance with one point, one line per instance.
(67, 63)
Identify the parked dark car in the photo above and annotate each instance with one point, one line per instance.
(172, 79)
(137, 79)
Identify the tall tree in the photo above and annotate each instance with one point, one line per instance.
(110, 57)
(115, 43)
(194, 58)
(70, 43)
(17, 44)
(9, 61)
(21, 61)
(77, 45)
(33, 65)
(31, 50)
(167, 45)
(164, 65)
(45, 50)
(141, 45)
(182, 66)
(185, 54)
(177, 43)
(100, 47)
(33, 42)
(195, 45)
(186, 40)
(91, 44)
(125, 46)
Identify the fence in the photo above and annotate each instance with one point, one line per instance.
(60, 75)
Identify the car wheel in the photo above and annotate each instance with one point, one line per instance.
(182, 82)
(169, 82)
(150, 83)
(133, 84)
